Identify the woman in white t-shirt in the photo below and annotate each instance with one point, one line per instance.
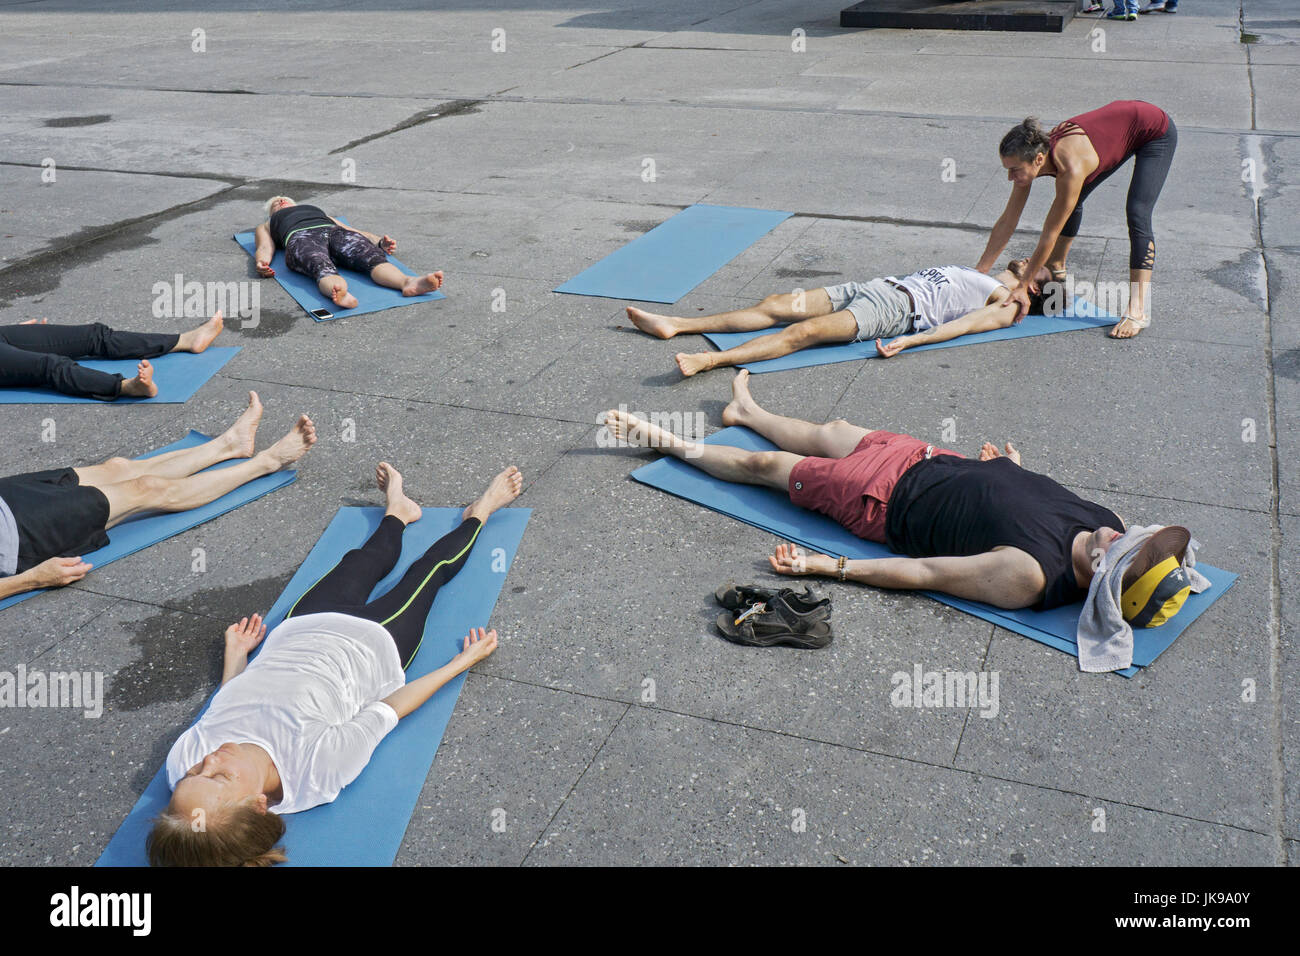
(289, 730)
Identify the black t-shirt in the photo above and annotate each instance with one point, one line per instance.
(949, 506)
(289, 219)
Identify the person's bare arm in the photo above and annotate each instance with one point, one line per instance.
(265, 250)
(1069, 184)
(1005, 577)
(1004, 228)
(241, 638)
(478, 644)
(996, 315)
(50, 573)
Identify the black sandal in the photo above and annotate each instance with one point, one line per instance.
(768, 624)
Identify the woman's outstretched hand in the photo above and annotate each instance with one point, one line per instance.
(245, 635)
(479, 643)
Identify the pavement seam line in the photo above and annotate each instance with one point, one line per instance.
(876, 753)
(564, 801)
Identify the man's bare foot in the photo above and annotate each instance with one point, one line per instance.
(142, 385)
(293, 445)
(196, 340)
(504, 489)
(400, 506)
(341, 297)
(989, 451)
(242, 435)
(690, 363)
(630, 430)
(742, 403)
(420, 285)
(660, 326)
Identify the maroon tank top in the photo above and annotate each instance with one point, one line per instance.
(1115, 131)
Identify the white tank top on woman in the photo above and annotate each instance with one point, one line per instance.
(944, 293)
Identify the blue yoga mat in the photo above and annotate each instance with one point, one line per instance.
(1080, 314)
(677, 255)
(136, 534)
(365, 825)
(178, 376)
(371, 297)
(773, 511)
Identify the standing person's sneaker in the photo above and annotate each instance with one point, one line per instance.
(774, 622)
(1093, 7)
(1155, 6)
(1123, 10)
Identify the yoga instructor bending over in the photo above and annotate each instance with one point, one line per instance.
(1080, 154)
(986, 530)
(290, 729)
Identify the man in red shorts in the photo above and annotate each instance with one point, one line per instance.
(987, 529)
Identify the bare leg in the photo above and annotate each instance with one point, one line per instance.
(388, 275)
(155, 493)
(1056, 261)
(196, 340)
(773, 310)
(235, 442)
(836, 327)
(835, 439)
(336, 287)
(770, 468)
(1139, 285)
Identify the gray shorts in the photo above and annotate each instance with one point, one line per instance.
(882, 310)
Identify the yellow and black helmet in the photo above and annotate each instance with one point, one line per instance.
(1155, 584)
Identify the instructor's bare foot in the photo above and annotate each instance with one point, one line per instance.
(242, 435)
(293, 445)
(504, 489)
(629, 430)
(420, 285)
(660, 326)
(142, 385)
(390, 483)
(742, 403)
(196, 340)
(690, 363)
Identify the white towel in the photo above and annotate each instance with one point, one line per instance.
(1105, 639)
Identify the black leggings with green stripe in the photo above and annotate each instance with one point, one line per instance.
(406, 605)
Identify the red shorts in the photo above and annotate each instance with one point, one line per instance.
(855, 490)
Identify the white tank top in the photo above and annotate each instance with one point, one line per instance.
(945, 293)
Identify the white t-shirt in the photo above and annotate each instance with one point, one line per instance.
(312, 699)
(945, 293)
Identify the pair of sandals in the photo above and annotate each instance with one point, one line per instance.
(1139, 322)
(763, 617)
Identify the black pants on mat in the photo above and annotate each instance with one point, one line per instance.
(404, 608)
(1151, 163)
(41, 356)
